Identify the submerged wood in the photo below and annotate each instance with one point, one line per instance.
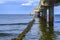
(22, 35)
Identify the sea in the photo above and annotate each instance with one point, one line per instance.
(11, 25)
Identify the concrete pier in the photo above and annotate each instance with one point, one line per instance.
(37, 14)
(45, 5)
(47, 32)
(51, 15)
(46, 27)
(44, 13)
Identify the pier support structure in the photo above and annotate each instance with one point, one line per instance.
(51, 12)
(43, 7)
(51, 15)
(44, 13)
(37, 14)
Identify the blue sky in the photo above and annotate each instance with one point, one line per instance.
(20, 6)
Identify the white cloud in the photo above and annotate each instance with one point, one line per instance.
(23, 2)
(30, 2)
(26, 4)
(18, 0)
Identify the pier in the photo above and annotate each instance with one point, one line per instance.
(45, 7)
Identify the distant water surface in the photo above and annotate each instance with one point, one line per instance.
(15, 24)
(12, 25)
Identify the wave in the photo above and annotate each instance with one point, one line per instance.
(16, 24)
(10, 30)
(7, 34)
(57, 21)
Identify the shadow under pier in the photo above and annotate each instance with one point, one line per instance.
(47, 31)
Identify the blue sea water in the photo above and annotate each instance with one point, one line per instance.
(11, 25)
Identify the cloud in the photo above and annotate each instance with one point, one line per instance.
(30, 3)
(23, 2)
(17, 6)
(19, 0)
(26, 4)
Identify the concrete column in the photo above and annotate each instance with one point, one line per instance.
(37, 14)
(44, 16)
(51, 15)
(45, 13)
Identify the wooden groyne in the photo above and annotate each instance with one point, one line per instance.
(22, 35)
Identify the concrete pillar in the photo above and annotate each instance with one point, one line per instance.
(47, 32)
(44, 12)
(51, 15)
(37, 14)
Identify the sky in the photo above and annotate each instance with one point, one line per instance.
(21, 6)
